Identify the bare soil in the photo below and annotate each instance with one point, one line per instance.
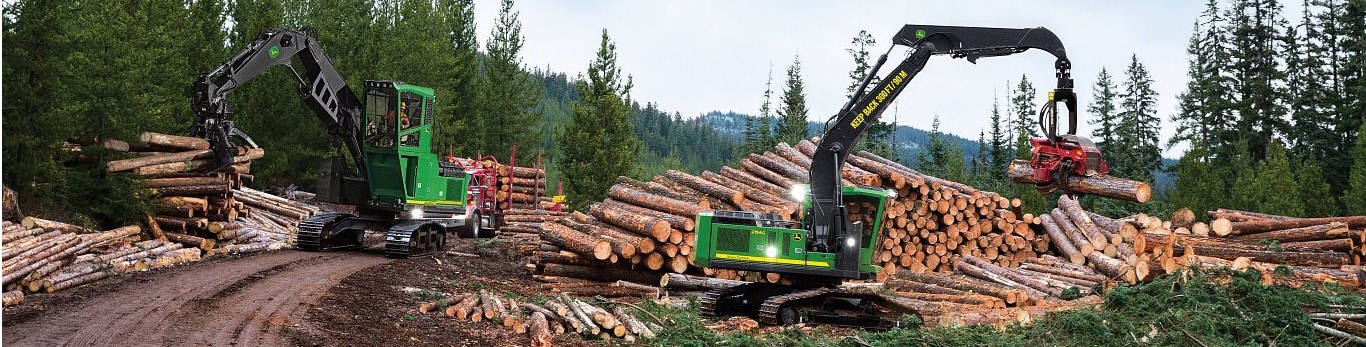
(281, 298)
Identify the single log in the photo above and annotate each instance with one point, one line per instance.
(1100, 184)
(181, 142)
(567, 258)
(782, 166)
(1302, 258)
(1327, 231)
(752, 193)
(711, 188)
(12, 298)
(1251, 227)
(1243, 216)
(182, 166)
(575, 241)
(754, 181)
(1112, 268)
(219, 187)
(687, 282)
(492, 310)
(637, 223)
(620, 246)
(752, 167)
(1339, 334)
(31, 222)
(540, 330)
(1063, 272)
(605, 274)
(969, 299)
(463, 309)
(1069, 229)
(1345, 325)
(1341, 245)
(676, 221)
(191, 241)
(129, 164)
(653, 201)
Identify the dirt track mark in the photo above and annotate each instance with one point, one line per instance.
(141, 314)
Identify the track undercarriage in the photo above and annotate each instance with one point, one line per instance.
(780, 304)
(402, 239)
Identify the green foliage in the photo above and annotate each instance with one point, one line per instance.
(1198, 185)
(1315, 194)
(671, 142)
(879, 137)
(759, 136)
(792, 116)
(943, 159)
(509, 117)
(598, 144)
(1273, 181)
(1134, 153)
(1355, 196)
(1103, 108)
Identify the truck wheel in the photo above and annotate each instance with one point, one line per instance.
(471, 227)
(485, 233)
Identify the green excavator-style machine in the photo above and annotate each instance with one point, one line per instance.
(388, 171)
(825, 247)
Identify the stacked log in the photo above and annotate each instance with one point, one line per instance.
(206, 207)
(541, 322)
(933, 222)
(53, 255)
(519, 187)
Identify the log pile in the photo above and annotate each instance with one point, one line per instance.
(45, 256)
(519, 187)
(203, 207)
(541, 322)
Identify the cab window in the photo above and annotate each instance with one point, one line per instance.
(380, 117)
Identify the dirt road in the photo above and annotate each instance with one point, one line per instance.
(249, 301)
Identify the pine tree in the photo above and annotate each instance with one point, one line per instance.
(1315, 194)
(931, 159)
(1311, 132)
(1103, 110)
(1022, 111)
(1274, 179)
(763, 126)
(879, 137)
(1198, 185)
(1260, 99)
(1354, 198)
(1000, 142)
(513, 94)
(1205, 119)
(792, 116)
(599, 143)
(1137, 139)
(463, 112)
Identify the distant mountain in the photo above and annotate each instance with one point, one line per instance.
(908, 140)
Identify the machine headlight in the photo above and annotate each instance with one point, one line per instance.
(849, 241)
(799, 192)
(772, 252)
(415, 213)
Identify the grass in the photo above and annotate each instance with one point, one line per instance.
(1196, 308)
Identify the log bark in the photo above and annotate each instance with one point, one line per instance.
(620, 246)
(653, 201)
(1346, 326)
(754, 181)
(1069, 229)
(587, 326)
(1099, 185)
(1012, 276)
(1061, 241)
(191, 241)
(31, 222)
(1242, 228)
(604, 274)
(752, 193)
(1011, 295)
(641, 224)
(575, 241)
(782, 166)
(1341, 245)
(1332, 230)
(181, 142)
(129, 164)
(752, 167)
(540, 330)
(632, 323)
(710, 188)
(220, 187)
(1098, 239)
(687, 282)
(12, 298)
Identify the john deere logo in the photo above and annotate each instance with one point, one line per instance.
(919, 34)
(274, 51)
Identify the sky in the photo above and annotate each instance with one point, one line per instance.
(699, 56)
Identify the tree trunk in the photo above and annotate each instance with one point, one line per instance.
(641, 224)
(34, 222)
(12, 298)
(1079, 217)
(191, 241)
(1243, 228)
(181, 142)
(1332, 230)
(1100, 184)
(632, 323)
(575, 241)
(656, 202)
(715, 190)
(1062, 242)
(540, 330)
(619, 246)
(753, 167)
(782, 166)
(221, 187)
(129, 164)
(604, 274)
(756, 182)
(1069, 229)
(687, 282)
(1340, 245)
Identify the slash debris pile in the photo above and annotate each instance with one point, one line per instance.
(542, 321)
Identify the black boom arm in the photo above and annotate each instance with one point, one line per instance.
(321, 87)
(828, 218)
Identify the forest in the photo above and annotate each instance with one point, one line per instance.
(1273, 102)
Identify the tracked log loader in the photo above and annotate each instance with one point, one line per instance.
(388, 170)
(825, 247)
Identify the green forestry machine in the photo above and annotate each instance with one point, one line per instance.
(394, 180)
(826, 247)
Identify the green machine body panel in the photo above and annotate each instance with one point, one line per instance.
(403, 170)
(753, 241)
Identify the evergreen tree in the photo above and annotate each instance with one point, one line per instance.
(512, 93)
(1198, 185)
(1022, 111)
(1343, 25)
(763, 138)
(1315, 194)
(1259, 97)
(1273, 180)
(1000, 143)
(1204, 119)
(879, 137)
(1354, 198)
(1137, 131)
(599, 143)
(463, 112)
(1103, 110)
(931, 159)
(1311, 132)
(792, 116)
